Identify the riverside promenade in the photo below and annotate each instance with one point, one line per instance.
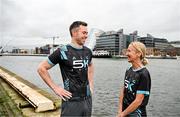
(20, 98)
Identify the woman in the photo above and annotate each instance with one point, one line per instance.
(135, 93)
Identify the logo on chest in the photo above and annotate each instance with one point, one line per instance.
(129, 84)
(80, 64)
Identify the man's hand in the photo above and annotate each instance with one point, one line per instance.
(120, 115)
(62, 93)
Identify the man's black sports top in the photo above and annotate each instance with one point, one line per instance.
(74, 68)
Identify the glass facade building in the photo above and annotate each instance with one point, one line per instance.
(108, 41)
(114, 42)
(155, 46)
(157, 43)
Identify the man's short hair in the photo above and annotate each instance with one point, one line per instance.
(76, 24)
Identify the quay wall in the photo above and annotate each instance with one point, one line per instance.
(13, 104)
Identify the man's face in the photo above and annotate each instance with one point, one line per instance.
(80, 35)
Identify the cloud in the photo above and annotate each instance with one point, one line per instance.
(27, 19)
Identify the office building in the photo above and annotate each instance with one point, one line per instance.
(114, 42)
(155, 46)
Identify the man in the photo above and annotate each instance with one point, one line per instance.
(75, 61)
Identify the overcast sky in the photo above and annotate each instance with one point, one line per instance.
(27, 22)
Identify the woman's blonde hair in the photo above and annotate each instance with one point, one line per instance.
(140, 47)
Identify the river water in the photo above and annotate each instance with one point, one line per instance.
(109, 74)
